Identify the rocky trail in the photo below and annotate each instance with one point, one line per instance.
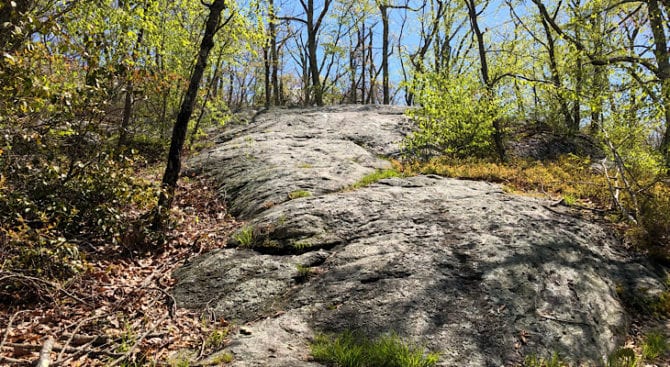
(480, 276)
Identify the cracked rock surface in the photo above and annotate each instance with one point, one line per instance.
(481, 276)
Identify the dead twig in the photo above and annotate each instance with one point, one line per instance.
(14, 361)
(45, 353)
(35, 282)
(131, 351)
(9, 327)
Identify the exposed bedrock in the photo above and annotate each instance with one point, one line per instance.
(481, 276)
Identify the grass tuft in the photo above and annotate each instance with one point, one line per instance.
(655, 345)
(622, 357)
(245, 236)
(375, 176)
(350, 349)
(299, 194)
(535, 361)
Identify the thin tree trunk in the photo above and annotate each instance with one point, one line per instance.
(274, 54)
(662, 56)
(497, 128)
(385, 55)
(173, 167)
(361, 39)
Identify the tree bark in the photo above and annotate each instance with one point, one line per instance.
(385, 54)
(274, 55)
(662, 55)
(173, 167)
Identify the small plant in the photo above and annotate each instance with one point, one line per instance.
(655, 344)
(245, 236)
(222, 358)
(377, 175)
(301, 245)
(303, 273)
(569, 200)
(299, 194)
(354, 350)
(622, 357)
(535, 361)
(216, 338)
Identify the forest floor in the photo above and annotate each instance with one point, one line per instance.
(119, 312)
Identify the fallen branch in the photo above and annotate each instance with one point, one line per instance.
(45, 353)
(14, 361)
(9, 327)
(58, 348)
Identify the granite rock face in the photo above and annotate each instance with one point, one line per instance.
(481, 276)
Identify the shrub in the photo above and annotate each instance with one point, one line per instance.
(455, 118)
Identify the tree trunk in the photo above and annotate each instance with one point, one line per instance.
(274, 55)
(173, 167)
(479, 35)
(266, 75)
(364, 62)
(385, 55)
(555, 76)
(127, 112)
(662, 56)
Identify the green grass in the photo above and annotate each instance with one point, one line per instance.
(375, 176)
(245, 236)
(655, 344)
(535, 361)
(354, 350)
(299, 194)
(622, 357)
(303, 273)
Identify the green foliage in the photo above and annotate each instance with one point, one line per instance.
(48, 206)
(301, 245)
(375, 176)
(622, 357)
(455, 118)
(535, 361)
(654, 345)
(350, 349)
(216, 338)
(245, 236)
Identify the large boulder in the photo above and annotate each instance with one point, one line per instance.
(481, 276)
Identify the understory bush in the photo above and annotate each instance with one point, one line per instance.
(455, 117)
(54, 203)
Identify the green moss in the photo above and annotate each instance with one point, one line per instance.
(354, 350)
(377, 175)
(299, 194)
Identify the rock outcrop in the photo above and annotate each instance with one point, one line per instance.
(478, 275)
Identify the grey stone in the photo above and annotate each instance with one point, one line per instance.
(481, 276)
